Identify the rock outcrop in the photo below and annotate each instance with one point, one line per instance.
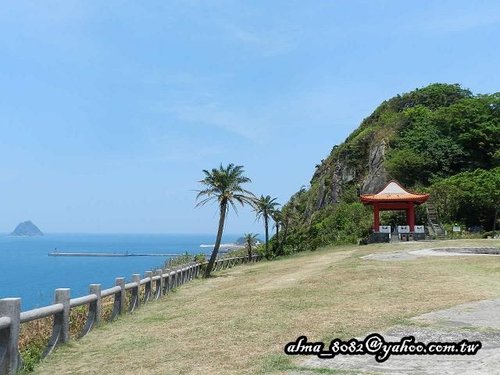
(26, 228)
(377, 175)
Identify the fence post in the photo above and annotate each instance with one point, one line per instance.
(136, 291)
(149, 286)
(96, 306)
(62, 296)
(60, 327)
(94, 313)
(159, 284)
(167, 282)
(10, 360)
(121, 296)
(173, 279)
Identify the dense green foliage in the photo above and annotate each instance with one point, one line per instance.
(470, 198)
(438, 143)
(440, 138)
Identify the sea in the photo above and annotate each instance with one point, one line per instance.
(28, 272)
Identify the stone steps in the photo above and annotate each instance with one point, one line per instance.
(433, 220)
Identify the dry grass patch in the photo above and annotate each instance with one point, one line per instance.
(239, 321)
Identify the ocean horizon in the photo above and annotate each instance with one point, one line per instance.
(28, 272)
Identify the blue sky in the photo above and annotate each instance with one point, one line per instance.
(110, 110)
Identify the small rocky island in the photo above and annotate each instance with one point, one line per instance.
(26, 228)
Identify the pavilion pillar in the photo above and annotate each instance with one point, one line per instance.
(410, 216)
(376, 217)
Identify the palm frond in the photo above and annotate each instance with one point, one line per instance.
(223, 184)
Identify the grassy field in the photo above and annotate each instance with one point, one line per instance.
(239, 321)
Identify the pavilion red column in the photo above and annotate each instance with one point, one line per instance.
(410, 216)
(376, 217)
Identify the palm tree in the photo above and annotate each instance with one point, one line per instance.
(263, 206)
(250, 240)
(223, 185)
(277, 217)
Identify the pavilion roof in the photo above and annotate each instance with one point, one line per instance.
(394, 192)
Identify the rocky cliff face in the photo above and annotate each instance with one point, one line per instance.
(377, 177)
(338, 173)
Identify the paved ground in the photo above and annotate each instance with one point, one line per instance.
(445, 251)
(478, 321)
(471, 321)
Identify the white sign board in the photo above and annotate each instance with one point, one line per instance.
(419, 229)
(403, 229)
(384, 229)
(456, 228)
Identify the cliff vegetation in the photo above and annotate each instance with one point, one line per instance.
(441, 139)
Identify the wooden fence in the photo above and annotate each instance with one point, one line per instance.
(156, 284)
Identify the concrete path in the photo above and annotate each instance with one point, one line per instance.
(471, 321)
(440, 252)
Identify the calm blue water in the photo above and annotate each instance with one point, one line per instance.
(27, 271)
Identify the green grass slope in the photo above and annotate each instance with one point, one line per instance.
(239, 321)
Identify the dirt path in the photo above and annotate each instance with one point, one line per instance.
(471, 321)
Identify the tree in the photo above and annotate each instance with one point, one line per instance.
(469, 197)
(264, 206)
(223, 185)
(277, 217)
(250, 240)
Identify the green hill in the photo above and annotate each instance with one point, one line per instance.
(440, 138)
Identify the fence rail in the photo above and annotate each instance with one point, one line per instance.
(156, 284)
